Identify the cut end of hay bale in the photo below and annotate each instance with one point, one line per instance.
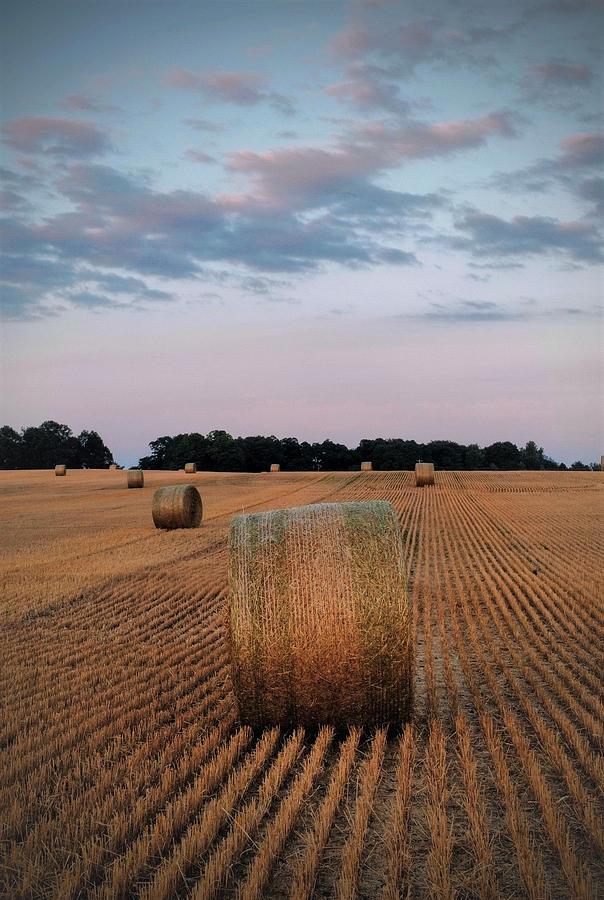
(366, 466)
(190, 468)
(178, 506)
(319, 619)
(275, 467)
(135, 478)
(60, 470)
(424, 474)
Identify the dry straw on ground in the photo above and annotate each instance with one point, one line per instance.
(424, 474)
(190, 468)
(320, 626)
(275, 467)
(178, 506)
(60, 470)
(135, 478)
(366, 466)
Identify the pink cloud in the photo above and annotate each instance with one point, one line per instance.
(242, 88)
(84, 103)
(295, 175)
(562, 73)
(60, 137)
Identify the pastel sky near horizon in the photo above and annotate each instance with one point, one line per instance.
(343, 219)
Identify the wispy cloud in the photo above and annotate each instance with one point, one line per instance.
(85, 103)
(525, 236)
(56, 137)
(240, 88)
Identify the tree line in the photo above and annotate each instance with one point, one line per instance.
(219, 451)
(45, 445)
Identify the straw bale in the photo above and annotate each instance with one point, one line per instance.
(177, 506)
(424, 474)
(60, 470)
(190, 468)
(135, 478)
(366, 466)
(319, 619)
(275, 467)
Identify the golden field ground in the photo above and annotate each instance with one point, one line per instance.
(124, 772)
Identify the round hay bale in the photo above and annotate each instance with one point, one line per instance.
(178, 506)
(602, 463)
(135, 478)
(424, 474)
(366, 467)
(60, 470)
(319, 620)
(275, 467)
(113, 466)
(190, 468)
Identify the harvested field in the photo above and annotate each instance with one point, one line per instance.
(124, 772)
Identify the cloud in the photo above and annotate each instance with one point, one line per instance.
(423, 41)
(84, 103)
(240, 88)
(578, 154)
(118, 223)
(558, 73)
(198, 156)
(468, 311)
(204, 125)
(366, 92)
(592, 190)
(308, 176)
(489, 235)
(56, 137)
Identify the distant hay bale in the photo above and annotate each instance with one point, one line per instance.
(424, 474)
(190, 468)
(60, 470)
(113, 466)
(602, 463)
(275, 467)
(319, 620)
(366, 466)
(178, 506)
(135, 478)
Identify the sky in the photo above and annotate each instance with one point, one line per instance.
(335, 219)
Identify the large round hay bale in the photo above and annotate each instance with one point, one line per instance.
(424, 474)
(60, 470)
(319, 620)
(366, 466)
(190, 468)
(275, 467)
(178, 506)
(135, 478)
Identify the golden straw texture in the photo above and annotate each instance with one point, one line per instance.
(275, 467)
(60, 470)
(178, 506)
(366, 466)
(319, 622)
(135, 478)
(424, 474)
(190, 468)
